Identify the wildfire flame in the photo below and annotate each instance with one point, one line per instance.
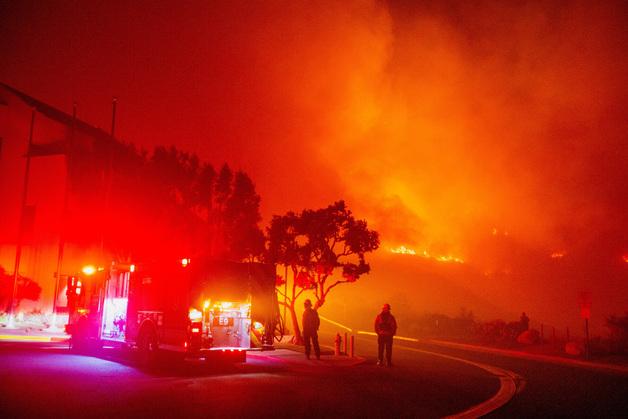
(557, 255)
(448, 259)
(403, 250)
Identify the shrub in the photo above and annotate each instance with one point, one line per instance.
(618, 333)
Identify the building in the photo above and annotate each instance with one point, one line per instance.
(67, 157)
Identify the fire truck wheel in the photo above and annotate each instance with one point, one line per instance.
(78, 339)
(148, 346)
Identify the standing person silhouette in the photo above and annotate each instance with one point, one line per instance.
(525, 322)
(386, 328)
(311, 322)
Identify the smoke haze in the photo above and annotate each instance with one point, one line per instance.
(494, 132)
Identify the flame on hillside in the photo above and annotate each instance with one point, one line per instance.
(403, 250)
(558, 255)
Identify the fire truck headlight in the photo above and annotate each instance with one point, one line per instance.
(195, 315)
(89, 269)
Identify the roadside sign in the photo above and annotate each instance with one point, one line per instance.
(585, 305)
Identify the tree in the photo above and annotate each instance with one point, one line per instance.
(166, 202)
(26, 289)
(618, 333)
(316, 244)
(241, 216)
(335, 239)
(284, 249)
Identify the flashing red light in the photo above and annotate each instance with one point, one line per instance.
(185, 262)
(195, 330)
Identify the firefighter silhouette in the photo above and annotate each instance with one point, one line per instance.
(311, 322)
(386, 328)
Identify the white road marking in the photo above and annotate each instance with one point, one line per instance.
(510, 384)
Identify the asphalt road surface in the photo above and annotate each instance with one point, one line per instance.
(549, 390)
(45, 380)
(553, 390)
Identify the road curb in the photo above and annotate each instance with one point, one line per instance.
(299, 359)
(509, 385)
(534, 357)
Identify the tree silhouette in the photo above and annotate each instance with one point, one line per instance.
(166, 202)
(241, 217)
(27, 289)
(316, 245)
(284, 249)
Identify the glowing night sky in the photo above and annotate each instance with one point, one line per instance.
(493, 132)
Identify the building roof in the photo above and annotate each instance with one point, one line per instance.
(57, 115)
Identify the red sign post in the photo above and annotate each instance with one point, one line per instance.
(585, 312)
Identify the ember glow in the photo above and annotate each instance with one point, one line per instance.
(403, 250)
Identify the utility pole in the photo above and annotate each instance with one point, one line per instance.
(108, 178)
(587, 346)
(64, 222)
(20, 233)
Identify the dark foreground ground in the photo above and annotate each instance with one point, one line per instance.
(556, 391)
(45, 380)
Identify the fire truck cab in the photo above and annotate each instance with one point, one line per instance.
(201, 308)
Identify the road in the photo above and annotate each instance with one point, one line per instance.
(554, 390)
(44, 380)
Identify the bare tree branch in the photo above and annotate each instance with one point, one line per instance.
(332, 286)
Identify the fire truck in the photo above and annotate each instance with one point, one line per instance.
(198, 308)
